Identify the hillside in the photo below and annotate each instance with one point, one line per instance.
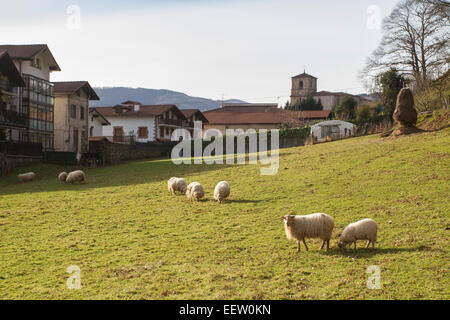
(116, 95)
(132, 240)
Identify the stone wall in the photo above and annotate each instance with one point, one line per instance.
(108, 153)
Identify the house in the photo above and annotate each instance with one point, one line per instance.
(13, 123)
(192, 116)
(96, 123)
(304, 85)
(258, 116)
(71, 118)
(132, 121)
(35, 63)
(334, 129)
(261, 120)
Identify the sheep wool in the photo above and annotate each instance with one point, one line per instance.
(222, 191)
(177, 185)
(26, 177)
(195, 191)
(365, 229)
(316, 225)
(62, 176)
(76, 176)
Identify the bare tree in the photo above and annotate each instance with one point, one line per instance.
(416, 41)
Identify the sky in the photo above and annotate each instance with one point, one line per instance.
(246, 49)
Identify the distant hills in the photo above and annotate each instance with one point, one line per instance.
(110, 96)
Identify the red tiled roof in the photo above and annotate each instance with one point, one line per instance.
(144, 111)
(70, 87)
(128, 102)
(28, 52)
(190, 112)
(304, 75)
(264, 117)
(95, 112)
(247, 107)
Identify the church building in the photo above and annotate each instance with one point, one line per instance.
(305, 84)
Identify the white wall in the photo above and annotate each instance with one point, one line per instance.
(130, 124)
(43, 73)
(97, 124)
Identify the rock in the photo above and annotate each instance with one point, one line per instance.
(405, 114)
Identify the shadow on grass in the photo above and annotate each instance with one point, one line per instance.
(363, 252)
(128, 173)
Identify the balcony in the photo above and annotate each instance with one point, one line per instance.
(171, 122)
(13, 117)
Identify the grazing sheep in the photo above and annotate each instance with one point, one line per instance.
(316, 225)
(195, 191)
(177, 184)
(365, 229)
(76, 176)
(62, 176)
(26, 177)
(221, 191)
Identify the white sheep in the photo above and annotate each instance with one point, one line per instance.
(26, 177)
(177, 184)
(365, 229)
(316, 225)
(76, 176)
(221, 191)
(195, 191)
(62, 176)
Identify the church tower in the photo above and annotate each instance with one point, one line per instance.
(302, 85)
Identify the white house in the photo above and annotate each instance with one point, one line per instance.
(335, 129)
(96, 123)
(133, 121)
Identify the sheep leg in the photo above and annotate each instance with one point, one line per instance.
(368, 244)
(298, 246)
(328, 245)
(305, 244)
(354, 245)
(373, 244)
(323, 244)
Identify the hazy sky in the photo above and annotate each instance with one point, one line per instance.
(246, 49)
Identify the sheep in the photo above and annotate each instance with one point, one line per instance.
(316, 225)
(62, 176)
(76, 176)
(195, 191)
(26, 177)
(221, 191)
(365, 229)
(177, 184)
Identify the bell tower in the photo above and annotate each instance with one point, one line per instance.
(302, 85)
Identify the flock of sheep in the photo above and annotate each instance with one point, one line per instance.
(194, 191)
(74, 176)
(297, 228)
(320, 225)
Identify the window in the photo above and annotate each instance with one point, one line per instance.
(81, 113)
(73, 111)
(91, 131)
(143, 132)
(301, 84)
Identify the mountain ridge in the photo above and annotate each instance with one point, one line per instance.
(110, 96)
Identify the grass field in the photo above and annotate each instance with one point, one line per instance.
(132, 240)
